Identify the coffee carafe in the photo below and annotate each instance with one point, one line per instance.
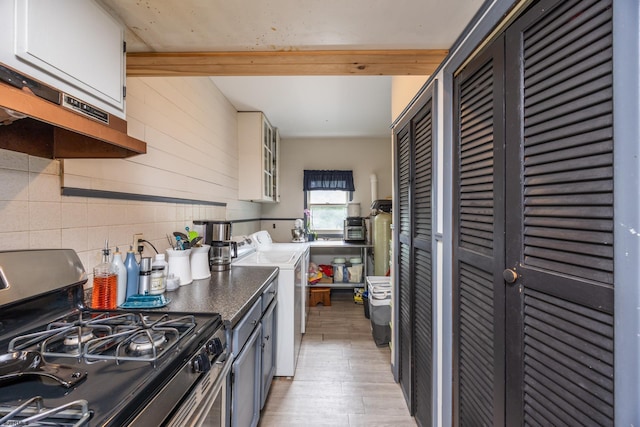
(218, 235)
(221, 254)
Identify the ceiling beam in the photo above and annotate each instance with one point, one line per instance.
(289, 63)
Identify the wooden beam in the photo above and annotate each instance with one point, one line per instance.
(290, 63)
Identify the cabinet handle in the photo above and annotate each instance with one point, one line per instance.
(509, 275)
(254, 322)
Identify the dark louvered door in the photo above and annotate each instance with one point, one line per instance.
(404, 285)
(560, 215)
(422, 240)
(533, 273)
(479, 241)
(414, 156)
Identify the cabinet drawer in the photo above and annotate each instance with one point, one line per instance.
(243, 329)
(269, 294)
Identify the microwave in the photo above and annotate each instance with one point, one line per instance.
(354, 230)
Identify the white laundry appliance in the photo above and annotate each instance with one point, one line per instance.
(292, 279)
(263, 242)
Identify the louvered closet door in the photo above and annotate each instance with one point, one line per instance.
(560, 215)
(479, 241)
(405, 328)
(422, 276)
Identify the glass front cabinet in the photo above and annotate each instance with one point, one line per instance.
(258, 145)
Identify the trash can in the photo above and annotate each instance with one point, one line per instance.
(380, 313)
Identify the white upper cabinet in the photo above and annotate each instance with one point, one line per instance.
(73, 45)
(258, 145)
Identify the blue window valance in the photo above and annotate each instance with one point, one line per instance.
(328, 180)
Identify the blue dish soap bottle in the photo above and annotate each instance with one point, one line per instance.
(133, 271)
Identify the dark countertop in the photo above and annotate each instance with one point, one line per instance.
(230, 293)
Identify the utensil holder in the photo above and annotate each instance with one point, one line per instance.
(180, 265)
(200, 262)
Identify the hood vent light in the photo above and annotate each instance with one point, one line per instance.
(39, 120)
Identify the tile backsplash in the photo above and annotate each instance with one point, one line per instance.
(34, 215)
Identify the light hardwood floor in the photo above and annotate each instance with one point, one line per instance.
(342, 378)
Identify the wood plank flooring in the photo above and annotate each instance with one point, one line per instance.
(342, 378)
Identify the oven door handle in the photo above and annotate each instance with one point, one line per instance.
(197, 415)
(222, 376)
(215, 389)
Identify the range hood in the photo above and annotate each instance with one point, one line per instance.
(39, 120)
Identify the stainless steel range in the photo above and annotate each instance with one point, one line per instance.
(63, 363)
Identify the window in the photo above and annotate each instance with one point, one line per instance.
(327, 193)
(328, 209)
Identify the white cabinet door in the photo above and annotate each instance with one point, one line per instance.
(72, 45)
(258, 144)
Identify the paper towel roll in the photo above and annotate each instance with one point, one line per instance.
(374, 187)
(353, 209)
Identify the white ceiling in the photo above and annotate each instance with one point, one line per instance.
(303, 106)
(315, 106)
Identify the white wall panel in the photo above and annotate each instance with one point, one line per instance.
(190, 130)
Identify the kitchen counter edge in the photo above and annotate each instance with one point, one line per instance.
(230, 293)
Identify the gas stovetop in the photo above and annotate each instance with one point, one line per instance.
(57, 352)
(90, 336)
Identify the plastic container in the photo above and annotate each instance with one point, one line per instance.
(121, 270)
(158, 275)
(133, 272)
(355, 270)
(340, 272)
(380, 313)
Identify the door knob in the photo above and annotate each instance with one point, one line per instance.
(509, 275)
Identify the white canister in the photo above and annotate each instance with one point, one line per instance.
(200, 262)
(179, 265)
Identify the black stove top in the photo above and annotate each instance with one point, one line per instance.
(119, 380)
(127, 356)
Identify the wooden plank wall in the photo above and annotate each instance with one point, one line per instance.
(190, 130)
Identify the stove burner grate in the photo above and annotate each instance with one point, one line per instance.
(34, 413)
(108, 336)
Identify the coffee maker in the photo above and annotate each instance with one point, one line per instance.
(218, 235)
